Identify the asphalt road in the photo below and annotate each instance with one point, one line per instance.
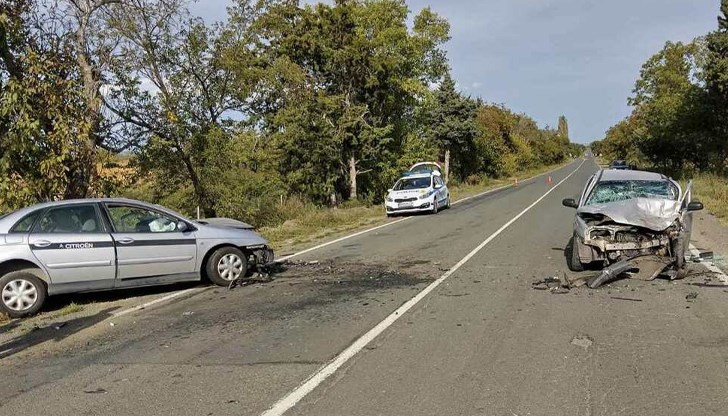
(483, 342)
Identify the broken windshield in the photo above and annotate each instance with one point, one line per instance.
(405, 184)
(613, 191)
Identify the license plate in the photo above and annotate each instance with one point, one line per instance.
(406, 205)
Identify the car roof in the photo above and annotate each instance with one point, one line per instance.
(630, 175)
(10, 219)
(416, 176)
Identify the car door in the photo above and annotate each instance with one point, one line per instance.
(74, 246)
(441, 188)
(152, 247)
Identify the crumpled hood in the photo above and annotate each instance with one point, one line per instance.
(226, 222)
(654, 214)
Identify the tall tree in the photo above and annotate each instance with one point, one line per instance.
(172, 99)
(43, 116)
(716, 83)
(362, 70)
(563, 129)
(452, 124)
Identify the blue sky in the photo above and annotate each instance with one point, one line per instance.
(545, 58)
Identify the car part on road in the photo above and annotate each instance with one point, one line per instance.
(610, 273)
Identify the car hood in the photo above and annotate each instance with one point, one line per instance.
(240, 235)
(410, 193)
(652, 213)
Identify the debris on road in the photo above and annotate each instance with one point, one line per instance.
(583, 341)
(691, 296)
(623, 298)
(553, 284)
(59, 325)
(188, 313)
(96, 391)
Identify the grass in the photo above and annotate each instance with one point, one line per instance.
(68, 309)
(712, 191)
(311, 223)
(3, 318)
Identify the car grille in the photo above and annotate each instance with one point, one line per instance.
(405, 200)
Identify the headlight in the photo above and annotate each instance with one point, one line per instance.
(424, 194)
(390, 199)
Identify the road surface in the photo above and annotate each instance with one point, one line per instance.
(480, 341)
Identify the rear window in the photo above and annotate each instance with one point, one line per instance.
(614, 191)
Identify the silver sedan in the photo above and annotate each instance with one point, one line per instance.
(102, 244)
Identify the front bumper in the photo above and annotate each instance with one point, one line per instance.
(262, 257)
(417, 206)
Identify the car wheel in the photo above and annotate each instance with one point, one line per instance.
(226, 265)
(572, 255)
(21, 294)
(435, 207)
(448, 202)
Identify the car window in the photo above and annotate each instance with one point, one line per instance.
(405, 184)
(133, 219)
(438, 180)
(24, 225)
(77, 218)
(613, 191)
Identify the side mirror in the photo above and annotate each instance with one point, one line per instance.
(695, 206)
(438, 186)
(570, 202)
(182, 226)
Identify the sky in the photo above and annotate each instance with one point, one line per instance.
(545, 58)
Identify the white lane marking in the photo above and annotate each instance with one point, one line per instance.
(290, 400)
(346, 237)
(710, 266)
(158, 300)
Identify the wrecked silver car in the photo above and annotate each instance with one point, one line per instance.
(628, 220)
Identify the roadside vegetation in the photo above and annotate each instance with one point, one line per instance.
(274, 116)
(679, 122)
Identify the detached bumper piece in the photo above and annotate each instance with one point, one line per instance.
(642, 267)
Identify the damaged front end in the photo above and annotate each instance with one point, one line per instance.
(643, 236)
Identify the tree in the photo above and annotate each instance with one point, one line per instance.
(171, 97)
(43, 116)
(563, 130)
(452, 124)
(358, 71)
(716, 84)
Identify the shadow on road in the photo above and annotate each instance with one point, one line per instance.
(55, 331)
(54, 303)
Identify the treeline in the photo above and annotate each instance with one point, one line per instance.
(679, 122)
(324, 102)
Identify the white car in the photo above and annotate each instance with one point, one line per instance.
(420, 192)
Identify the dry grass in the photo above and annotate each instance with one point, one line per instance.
(3, 318)
(68, 309)
(310, 223)
(712, 191)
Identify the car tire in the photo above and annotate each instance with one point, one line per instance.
(572, 255)
(22, 293)
(448, 202)
(225, 265)
(435, 207)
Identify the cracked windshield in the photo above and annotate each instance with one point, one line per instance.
(363, 207)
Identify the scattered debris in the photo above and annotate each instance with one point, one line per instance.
(559, 290)
(583, 341)
(623, 298)
(96, 391)
(691, 296)
(111, 324)
(59, 325)
(188, 313)
(610, 273)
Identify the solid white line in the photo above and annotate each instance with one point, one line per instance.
(290, 400)
(346, 237)
(710, 266)
(155, 301)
